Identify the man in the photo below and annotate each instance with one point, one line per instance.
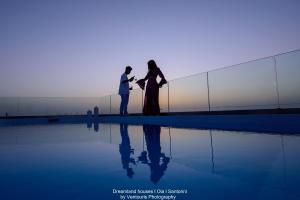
(124, 90)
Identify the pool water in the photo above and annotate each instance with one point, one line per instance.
(91, 161)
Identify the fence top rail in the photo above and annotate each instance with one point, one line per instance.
(229, 66)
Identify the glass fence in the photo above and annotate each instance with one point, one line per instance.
(40, 106)
(288, 79)
(189, 94)
(267, 83)
(249, 85)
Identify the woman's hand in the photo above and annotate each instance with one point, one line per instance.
(162, 82)
(141, 83)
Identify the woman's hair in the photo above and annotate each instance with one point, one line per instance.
(151, 65)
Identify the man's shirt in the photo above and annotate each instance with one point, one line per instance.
(124, 87)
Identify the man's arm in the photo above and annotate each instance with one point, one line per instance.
(128, 80)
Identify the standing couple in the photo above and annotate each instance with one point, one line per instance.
(151, 100)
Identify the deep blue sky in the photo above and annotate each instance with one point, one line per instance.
(80, 48)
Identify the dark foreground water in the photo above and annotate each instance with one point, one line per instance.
(77, 162)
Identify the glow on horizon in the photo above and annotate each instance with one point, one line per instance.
(80, 48)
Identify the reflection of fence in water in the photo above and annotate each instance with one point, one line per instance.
(222, 151)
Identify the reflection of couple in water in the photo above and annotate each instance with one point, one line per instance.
(151, 100)
(153, 157)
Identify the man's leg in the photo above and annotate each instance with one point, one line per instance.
(126, 100)
(122, 104)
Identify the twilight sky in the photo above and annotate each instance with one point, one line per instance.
(80, 48)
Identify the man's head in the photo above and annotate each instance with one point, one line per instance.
(128, 70)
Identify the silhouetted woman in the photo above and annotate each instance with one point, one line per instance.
(151, 100)
(158, 161)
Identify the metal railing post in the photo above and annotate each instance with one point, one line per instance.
(168, 85)
(142, 101)
(109, 104)
(208, 97)
(276, 81)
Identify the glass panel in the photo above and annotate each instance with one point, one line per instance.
(37, 106)
(115, 104)
(8, 106)
(288, 72)
(34, 106)
(163, 98)
(104, 105)
(87, 103)
(135, 104)
(189, 94)
(246, 86)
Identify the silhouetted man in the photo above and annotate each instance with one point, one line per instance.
(124, 90)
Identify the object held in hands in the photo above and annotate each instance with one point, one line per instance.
(131, 79)
(141, 83)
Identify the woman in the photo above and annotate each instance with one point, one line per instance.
(151, 104)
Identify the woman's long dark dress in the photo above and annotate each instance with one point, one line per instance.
(151, 101)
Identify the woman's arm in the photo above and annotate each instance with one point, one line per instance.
(147, 76)
(163, 80)
(161, 75)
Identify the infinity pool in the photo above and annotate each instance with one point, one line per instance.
(98, 161)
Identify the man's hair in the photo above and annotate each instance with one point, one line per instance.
(128, 68)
